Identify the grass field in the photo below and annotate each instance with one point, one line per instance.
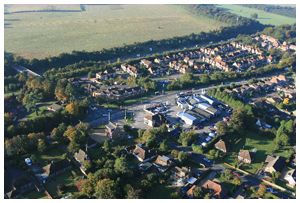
(263, 17)
(264, 147)
(42, 34)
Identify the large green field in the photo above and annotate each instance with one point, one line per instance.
(42, 34)
(263, 17)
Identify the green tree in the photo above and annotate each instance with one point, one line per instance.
(182, 156)
(41, 147)
(121, 166)
(106, 189)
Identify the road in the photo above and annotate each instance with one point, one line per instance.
(138, 108)
(22, 69)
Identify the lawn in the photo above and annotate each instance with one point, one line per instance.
(54, 154)
(68, 178)
(160, 192)
(263, 17)
(41, 109)
(43, 34)
(264, 147)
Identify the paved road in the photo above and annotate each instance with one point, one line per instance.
(22, 69)
(138, 108)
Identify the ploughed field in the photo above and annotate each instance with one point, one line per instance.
(38, 31)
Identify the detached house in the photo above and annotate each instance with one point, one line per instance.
(55, 168)
(113, 131)
(142, 153)
(81, 157)
(220, 145)
(274, 164)
(163, 163)
(244, 156)
(155, 120)
(214, 187)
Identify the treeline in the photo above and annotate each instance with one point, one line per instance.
(189, 80)
(220, 14)
(108, 55)
(281, 10)
(282, 32)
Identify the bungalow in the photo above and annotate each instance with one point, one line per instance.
(289, 175)
(113, 131)
(162, 163)
(220, 145)
(146, 63)
(54, 107)
(215, 187)
(82, 158)
(142, 153)
(244, 156)
(274, 164)
(55, 168)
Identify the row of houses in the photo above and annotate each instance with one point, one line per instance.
(117, 92)
(270, 42)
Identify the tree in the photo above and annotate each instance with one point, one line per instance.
(121, 166)
(132, 193)
(197, 148)
(254, 15)
(106, 189)
(261, 190)
(182, 156)
(88, 187)
(163, 147)
(41, 147)
(106, 146)
(90, 75)
(222, 128)
(198, 193)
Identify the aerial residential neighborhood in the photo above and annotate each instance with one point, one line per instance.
(199, 114)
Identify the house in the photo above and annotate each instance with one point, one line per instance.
(181, 172)
(274, 164)
(145, 166)
(190, 192)
(82, 158)
(244, 156)
(16, 182)
(220, 145)
(146, 63)
(214, 187)
(104, 75)
(187, 118)
(162, 163)
(142, 153)
(289, 175)
(113, 131)
(54, 107)
(55, 168)
(155, 120)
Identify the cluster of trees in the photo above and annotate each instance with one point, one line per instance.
(282, 32)
(285, 134)
(22, 144)
(153, 137)
(186, 138)
(144, 82)
(281, 10)
(188, 80)
(76, 135)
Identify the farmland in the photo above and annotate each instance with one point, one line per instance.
(43, 34)
(263, 17)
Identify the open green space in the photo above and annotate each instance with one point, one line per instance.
(264, 146)
(43, 34)
(160, 192)
(263, 16)
(56, 153)
(68, 179)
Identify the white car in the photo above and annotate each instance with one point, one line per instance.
(203, 144)
(208, 139)
(28, 161)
